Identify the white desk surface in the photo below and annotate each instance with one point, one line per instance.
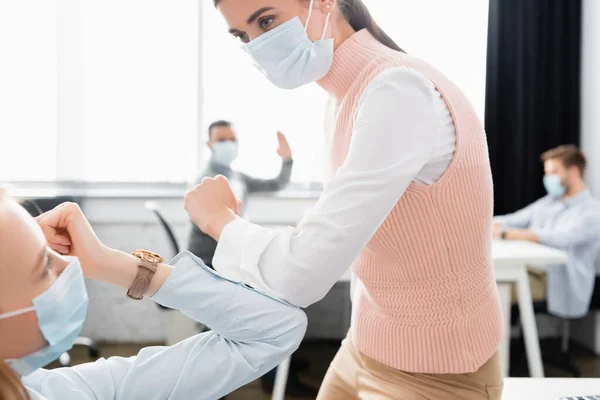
(548, 388)
(527, 253)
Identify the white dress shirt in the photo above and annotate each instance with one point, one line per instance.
(252, 333)
(403, 133)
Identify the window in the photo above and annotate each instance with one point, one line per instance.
(85, 85)
(452, 38)
(89, 88)
(140, 89)
(234, 90)
(28, 89)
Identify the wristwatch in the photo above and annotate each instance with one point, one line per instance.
(503, 235)
(146, 269)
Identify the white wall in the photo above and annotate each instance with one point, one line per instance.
(588, 331)
(590, 115)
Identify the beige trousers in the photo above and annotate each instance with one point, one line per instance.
(353, 376)
(537, 284)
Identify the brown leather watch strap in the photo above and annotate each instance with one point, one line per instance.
(146, 270)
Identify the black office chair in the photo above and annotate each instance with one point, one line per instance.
(37, 207)
(155, 209)
(561, 359)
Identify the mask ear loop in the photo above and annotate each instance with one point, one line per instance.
(15, 313)
(310, 8)
(326, 25)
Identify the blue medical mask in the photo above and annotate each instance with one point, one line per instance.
(287, 57)
(60, 311)
(553, 186)
(224, 153)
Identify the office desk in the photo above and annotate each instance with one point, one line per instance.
(548, 389)
(510, 259)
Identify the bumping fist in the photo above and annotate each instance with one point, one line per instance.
(212, 205)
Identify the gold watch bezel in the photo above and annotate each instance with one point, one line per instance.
(148, 256)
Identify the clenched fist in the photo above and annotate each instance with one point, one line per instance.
(212, 205)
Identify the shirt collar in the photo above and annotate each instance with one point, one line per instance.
(220, 169)
(579, 198)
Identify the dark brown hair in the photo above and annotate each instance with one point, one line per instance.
(218, 124)
(569, 155)
(358, 16)
(11, 387)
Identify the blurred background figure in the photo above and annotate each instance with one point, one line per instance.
(222, 141)
(567, 218)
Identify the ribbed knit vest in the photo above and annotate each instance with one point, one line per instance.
(426, 299)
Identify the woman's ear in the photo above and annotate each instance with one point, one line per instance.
(326, 6)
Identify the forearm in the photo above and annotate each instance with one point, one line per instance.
(285, 173)
(251, 334)
(120, 269)
(387, 151)
(521, 234)
(269, 185)
(229, 308)
(300, 265)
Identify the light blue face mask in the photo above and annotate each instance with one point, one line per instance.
(553, 186)
(224, 153)
(287, 57)
(60, 311)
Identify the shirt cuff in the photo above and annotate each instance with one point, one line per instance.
(228, 255)
(544, 237)
(239, 250)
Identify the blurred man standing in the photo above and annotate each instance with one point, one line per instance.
(222, 140)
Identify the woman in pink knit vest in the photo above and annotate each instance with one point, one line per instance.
(408, 207)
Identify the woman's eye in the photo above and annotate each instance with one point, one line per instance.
(243, 37)
(266, 23)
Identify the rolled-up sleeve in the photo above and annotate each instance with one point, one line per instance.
(519, 219)
(251, 334)
(586, 230)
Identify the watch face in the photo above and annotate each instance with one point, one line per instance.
(148, 255)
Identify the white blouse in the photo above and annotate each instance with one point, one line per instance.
(403, 133)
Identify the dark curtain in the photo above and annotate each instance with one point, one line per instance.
(533, 92)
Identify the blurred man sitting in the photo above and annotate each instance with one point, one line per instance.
(568, 218)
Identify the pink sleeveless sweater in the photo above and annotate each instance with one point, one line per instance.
(427, 300)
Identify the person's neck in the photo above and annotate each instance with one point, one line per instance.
(213, 163)
(574, 190)
(342, 30)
